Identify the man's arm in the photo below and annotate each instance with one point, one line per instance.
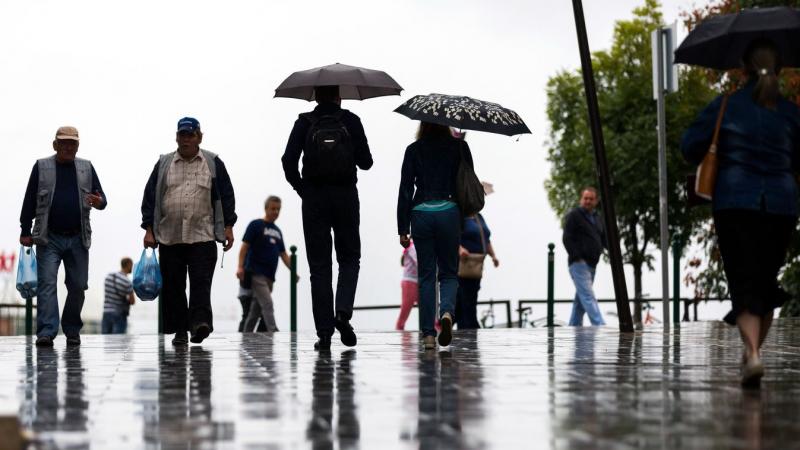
(149, 199)
(287, 261)
(362, 154)
(97, 190)
(29, 207)
(570, 237)
(291, 156)
(228, 198)
(242, 256)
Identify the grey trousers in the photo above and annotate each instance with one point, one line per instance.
(262, 306)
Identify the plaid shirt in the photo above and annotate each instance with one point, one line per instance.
(188, 213)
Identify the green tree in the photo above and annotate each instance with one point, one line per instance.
(706, 273)
(624, 84)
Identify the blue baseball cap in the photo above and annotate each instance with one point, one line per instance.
(188, 124)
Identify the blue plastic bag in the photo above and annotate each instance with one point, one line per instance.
(147, 276)
(27, 280)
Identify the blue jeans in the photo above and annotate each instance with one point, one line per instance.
(114, 323)
(75, 256)
(436, 236)
(583, 276)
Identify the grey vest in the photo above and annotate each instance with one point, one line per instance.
(44, 198)
(161, 188)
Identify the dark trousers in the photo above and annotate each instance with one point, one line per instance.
(467, 303)
(176, 260)
(753, 246)
(336, 208)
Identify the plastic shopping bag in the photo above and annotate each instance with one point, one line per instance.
(147, 276)
(27, 280)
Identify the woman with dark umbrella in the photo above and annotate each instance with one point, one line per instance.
(755, 197)
(426, 205)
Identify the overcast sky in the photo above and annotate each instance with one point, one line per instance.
(124, 73)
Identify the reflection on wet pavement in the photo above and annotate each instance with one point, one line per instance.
(563, 388)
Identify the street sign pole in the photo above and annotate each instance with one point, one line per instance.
(664, 80)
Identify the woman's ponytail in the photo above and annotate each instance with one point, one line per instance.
(761, 63)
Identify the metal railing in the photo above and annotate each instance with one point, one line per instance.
(15, 319)
(490, 303)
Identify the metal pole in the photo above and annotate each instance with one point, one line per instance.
(662, 179)
(28, 316)
(293, 289)
(612, 233)
(550, 284)
(160, 319)
(677, 249)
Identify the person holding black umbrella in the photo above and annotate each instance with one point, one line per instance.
(333, 145)
(755, 193)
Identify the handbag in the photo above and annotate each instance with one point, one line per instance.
(471, 266)
(470, 195)
(706, 176)
(147, 280)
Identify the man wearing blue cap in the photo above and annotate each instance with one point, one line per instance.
(188, 206)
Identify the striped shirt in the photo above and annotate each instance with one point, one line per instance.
(188, 216)
(117, 289)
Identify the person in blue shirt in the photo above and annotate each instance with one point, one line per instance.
(755, 197)
(262, 245)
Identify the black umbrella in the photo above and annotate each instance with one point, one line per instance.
(463, 112)
(355, 83)
(720, 42)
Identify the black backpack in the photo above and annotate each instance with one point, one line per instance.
(329, 156)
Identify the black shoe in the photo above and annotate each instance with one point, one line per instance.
(346, 332)
(323, 344)
(73, 341)
(446, 335)
(44, 341)
(180, 339)
(201, 331)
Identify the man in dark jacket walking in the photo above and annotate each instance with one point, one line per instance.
(332, 143)
(584, 240)
(188, 206)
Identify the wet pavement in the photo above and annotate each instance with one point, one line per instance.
(583, 388)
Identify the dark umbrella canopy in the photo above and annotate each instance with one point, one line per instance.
(355, 83)
(720, 42)
(463, 112)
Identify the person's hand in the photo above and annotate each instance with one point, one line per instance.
(296, 278)
(228, 239)
(150, 239)
(240, 273)
(495, 261)
(94, 200)
(405, 241)
(26, 241)
(462, 251)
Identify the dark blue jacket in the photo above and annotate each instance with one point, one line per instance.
(584, 236)
(758, 153)
(297, 140)
(430, 165)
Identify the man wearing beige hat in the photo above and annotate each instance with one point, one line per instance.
(62, 190)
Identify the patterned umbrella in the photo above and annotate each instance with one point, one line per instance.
(463, 112)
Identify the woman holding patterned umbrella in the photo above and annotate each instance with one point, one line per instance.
(438, 187)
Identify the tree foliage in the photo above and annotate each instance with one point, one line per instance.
(624, 84)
